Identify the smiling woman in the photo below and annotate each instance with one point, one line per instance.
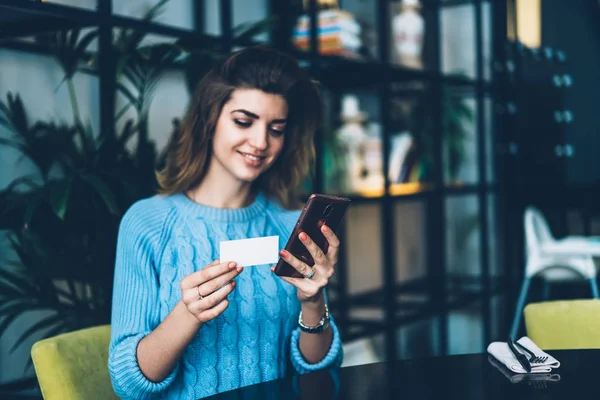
(254, 95)
(179, 329)
(248, 141)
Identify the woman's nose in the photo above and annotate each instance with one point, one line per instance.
(259, 139)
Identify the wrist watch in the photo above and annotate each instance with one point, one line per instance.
(320, 327)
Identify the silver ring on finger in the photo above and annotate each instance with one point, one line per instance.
(310, 274)
(200, 297)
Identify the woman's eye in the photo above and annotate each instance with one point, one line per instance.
(243, 124)
(277, 132)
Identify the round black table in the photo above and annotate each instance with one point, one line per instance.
(473, 376)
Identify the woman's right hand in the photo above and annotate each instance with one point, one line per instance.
(205, 292)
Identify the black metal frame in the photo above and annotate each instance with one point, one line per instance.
(439, 286)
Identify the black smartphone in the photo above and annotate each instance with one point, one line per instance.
(319, 210)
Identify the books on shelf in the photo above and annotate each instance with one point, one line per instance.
(338, 33)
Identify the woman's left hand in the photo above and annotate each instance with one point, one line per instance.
(324, 268)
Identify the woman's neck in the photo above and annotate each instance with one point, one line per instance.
(219, 195)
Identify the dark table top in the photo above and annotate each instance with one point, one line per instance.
(462, 377)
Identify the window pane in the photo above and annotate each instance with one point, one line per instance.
(39, 80)
(460, 139)
(212, 16)
(411, 240)
(87, 4)
(495, 236)
(249, 12)
(462, 235)
(486, 39)
(490, 139)
(457, 35)
(419, 339)
(363, 248)
(178, 13)
(465, 330)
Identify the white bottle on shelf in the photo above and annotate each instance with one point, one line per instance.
(353, 135)
(408, 29)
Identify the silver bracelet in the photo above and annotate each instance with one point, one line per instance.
(320, 327)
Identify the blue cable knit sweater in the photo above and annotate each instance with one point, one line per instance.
(164, 238)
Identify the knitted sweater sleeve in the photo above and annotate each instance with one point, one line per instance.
(135, 308)
(333, 358)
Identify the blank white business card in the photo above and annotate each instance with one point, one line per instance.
(249, 252)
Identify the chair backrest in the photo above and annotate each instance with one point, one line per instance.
(566, 324)
(74, 365)
(537, 231)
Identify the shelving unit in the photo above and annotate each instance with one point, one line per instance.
(438, 292)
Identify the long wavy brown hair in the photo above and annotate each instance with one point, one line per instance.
(259, 67)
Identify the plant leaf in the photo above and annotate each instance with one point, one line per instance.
(8, 292)
(127, 133)
(32, 207)
(59, 198)
(7, 321)
(39, 325)
(104, 191)
(128, 94)
(17, 303)
(16, 281)
(155, 10)
(84, 42)
(18, 311)
(14, 144)
(122, 111)
(52, 332)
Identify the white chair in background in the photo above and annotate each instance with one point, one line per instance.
(554, 260)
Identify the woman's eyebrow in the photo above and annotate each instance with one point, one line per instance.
(252, 115)
(248, 113)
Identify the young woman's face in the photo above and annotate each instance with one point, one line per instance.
(249, 134)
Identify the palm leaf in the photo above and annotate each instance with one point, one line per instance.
(59, 198)
(9, 291)
(81, 47)
(32, 207)
(72, 297)
(52, 332)
(122, 111)
(103, 190)
(7, 321)
(18, 303)
(127, 93)
(13, 116)
(27, 180)
(133, 74)
(19, 283)
(14, 144)
(17, 310)
(127, 133)
(38, 326)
